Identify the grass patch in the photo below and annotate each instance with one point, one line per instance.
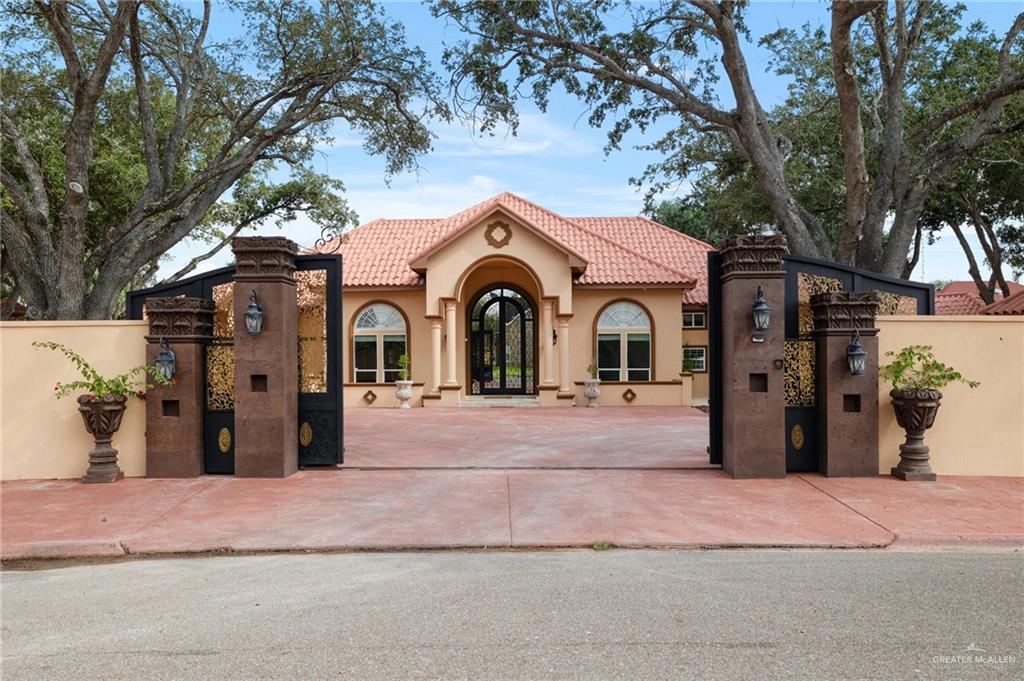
(601, 545)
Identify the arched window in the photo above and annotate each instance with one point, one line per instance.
(378, 341)
(624, 343)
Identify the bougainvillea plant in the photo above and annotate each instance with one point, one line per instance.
(135, 381)
(915, 368)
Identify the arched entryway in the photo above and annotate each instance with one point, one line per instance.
(502, 342)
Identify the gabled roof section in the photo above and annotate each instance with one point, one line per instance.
(628, 251)
(506, 202)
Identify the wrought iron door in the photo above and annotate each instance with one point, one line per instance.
(318, 293)
(219, 378)
(502, 343)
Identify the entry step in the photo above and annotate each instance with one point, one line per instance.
(499, 401)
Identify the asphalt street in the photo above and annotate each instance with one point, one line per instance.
(617, 614)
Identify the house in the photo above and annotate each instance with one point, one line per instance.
(1014, 305)
(962, 298)
(507, 298)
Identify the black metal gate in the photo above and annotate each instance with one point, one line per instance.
(502, 340)
(804, 278)
(318, 293)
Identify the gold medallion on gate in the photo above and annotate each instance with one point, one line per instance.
(796, 436)
(224, 440)
(305, 434)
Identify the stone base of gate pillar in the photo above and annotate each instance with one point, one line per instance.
(847, 404)
(174, 413)
(753, 395)
(266, 363)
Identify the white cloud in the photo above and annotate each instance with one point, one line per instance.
(536, 136)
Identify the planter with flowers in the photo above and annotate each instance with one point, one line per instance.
(403, 386)
(916, 377)
(102, 404)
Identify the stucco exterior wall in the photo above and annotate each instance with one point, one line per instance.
(976, 432)
(663, 307)
(43, 437)
(697, 338)
(417, 344)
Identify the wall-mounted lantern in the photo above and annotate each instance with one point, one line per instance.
(165, 360)
(253, 316)
(856, 356)
(762, 312)
(554, 337)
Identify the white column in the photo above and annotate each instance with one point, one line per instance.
(564, 384)
(547, 350)
(435, 354)
(451, 348)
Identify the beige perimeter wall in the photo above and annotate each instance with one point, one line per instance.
(976, 432)
(43, 437)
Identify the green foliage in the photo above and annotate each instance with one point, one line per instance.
(688, 364)
(132, 382)
(915, 368)
(207, 122)
(592, 368)
(403, 368)
(601, 545)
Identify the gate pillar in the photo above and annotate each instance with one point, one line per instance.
(847, 404)
(753, 397)
(174, 413)
(266, 363)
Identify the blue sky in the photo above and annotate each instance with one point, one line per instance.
(556, 160)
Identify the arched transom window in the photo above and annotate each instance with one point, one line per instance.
(378, 343)
(624, 343)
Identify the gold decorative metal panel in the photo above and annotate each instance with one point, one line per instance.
(894, 303)
(224, 310)
(224, 440)
(311, 293)
(220, 377)
(305, 434)
(799, 376)
(807, 286)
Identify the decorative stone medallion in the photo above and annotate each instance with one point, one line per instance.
(498, 234)
(629, 395)
(370, 397)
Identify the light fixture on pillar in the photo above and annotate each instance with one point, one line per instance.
(165, 360)
(762, 312)
(253, 316)
(856, 356)
(554, 337)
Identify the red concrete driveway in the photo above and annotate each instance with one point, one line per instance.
(533, 437)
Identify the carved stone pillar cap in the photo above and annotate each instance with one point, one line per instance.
(179, 320)
(264, 258)
(750, 256)
(839, 313)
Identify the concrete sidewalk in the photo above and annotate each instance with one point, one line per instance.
(394, 509)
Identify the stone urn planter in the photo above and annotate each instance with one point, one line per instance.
(102, 417)
(403, 391)
(915, 413)
(916, 377)
(592, 391)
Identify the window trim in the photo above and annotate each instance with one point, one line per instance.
(703, 317)
(623, 359)
(379, 333)
(682, 357)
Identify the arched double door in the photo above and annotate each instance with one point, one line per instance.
(502, 342)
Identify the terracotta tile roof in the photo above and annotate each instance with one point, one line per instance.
(1012, 305)
(681, 252)
(616, 251)
(958, 303)
(971, 288)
